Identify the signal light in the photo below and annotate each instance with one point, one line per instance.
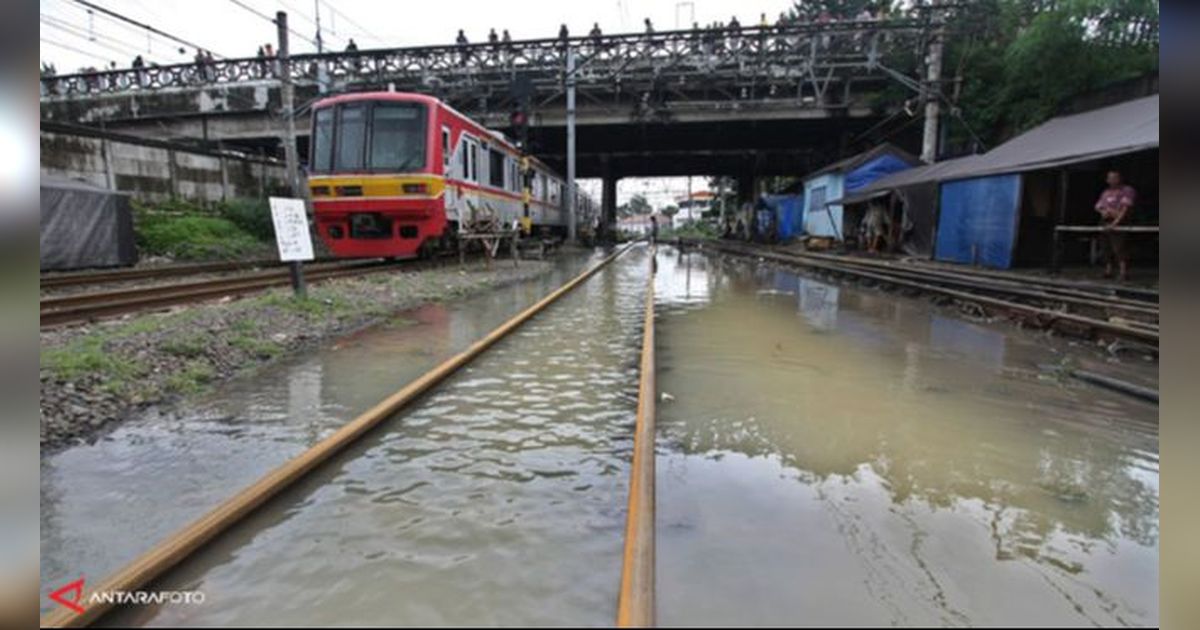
(518, 118)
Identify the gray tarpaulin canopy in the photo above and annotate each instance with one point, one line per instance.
(1115, 130)
(84, 226)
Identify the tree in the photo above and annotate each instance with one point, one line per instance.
(670, 210)
(1020, 60)
(637, 205)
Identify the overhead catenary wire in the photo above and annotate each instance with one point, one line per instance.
(137, 23)
(272, 20)
(116, 45)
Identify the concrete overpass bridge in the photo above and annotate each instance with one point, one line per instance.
(741, 102)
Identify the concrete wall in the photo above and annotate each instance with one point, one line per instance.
(156, 171)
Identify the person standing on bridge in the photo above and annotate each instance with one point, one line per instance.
(1114, 206)
(649, 27)
(464, 53)
(493, 38)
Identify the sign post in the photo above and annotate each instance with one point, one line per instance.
(292, 236)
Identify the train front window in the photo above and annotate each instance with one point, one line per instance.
(398, 137)
(352, 135)
(322, 141)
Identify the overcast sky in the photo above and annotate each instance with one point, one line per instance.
(72, 38)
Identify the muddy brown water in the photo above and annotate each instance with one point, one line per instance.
(827, 455)
(835, 456)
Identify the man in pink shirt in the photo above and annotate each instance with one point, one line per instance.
(1115, 205)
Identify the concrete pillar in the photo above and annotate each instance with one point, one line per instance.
(608, 208)
(172, 174)
(110, 179)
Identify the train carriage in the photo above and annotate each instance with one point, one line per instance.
(394, 174)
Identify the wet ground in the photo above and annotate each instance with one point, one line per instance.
(827, 455)
(839, 456)
(104, 503)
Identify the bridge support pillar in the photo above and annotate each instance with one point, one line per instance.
(608, 208)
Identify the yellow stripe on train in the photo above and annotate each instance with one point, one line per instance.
(334, 186)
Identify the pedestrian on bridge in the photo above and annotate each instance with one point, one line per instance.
(464, 52)
(493, 38)
(649, 27)
(351, 47)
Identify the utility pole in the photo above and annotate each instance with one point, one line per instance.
(570, 143)
(289, 131)
(929, 144)
(322, 74)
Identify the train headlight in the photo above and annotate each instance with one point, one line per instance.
(415, 189)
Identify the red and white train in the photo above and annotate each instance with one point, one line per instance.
(393, 174)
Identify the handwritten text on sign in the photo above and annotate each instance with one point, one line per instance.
(291, 229)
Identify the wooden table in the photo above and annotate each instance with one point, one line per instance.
(1092, 231)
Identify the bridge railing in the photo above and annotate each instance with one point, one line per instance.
(798, 48)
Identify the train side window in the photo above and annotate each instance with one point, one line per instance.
(496, 168)
(465, 165)
(446, 155)
(474, 163)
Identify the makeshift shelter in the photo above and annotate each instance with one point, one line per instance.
(824, 188)
(1008, 204)
(789, 214)
(84, 226)
(911, 197)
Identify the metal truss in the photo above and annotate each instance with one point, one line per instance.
(644, 75)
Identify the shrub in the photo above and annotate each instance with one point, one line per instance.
(253, 216)
(186, 231)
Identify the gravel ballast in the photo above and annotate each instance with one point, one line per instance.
(93, 376)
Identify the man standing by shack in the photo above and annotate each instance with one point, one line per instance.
(1115, 205)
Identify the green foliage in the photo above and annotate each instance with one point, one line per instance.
(1020, 61)
(192, 378)
(186, 231)
(253, 216)
(90, 356)
(703, 230)
(637, 205)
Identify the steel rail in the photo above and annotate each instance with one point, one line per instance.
(83, 307)
(175, 548)
(1066, 287)
(75, 278)
(1047, 316)
(635, 602)
(1010, 287)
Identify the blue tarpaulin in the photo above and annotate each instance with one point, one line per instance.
(872, 170)
(789, 214)
(978, 220)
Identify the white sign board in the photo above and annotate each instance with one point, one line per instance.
(291, 229)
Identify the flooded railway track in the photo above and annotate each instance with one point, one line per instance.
(518, 485)
(186, 544)
(86, 278)
(82, 307)
(1043, 304)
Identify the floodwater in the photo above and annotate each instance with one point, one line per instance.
(833, 456)
(498, 498)
(105, 503)
(826, 456)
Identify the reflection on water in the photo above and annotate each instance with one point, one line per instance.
(497, 499)
(837, 456)
(103, 504)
